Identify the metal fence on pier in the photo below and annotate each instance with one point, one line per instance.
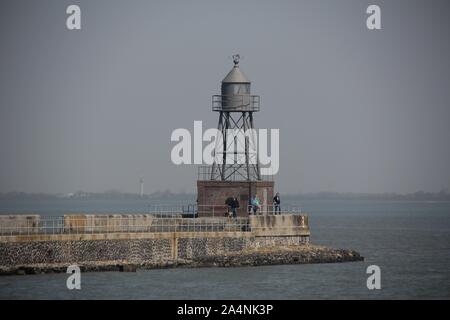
(160, 218)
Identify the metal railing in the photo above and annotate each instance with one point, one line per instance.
(273, 209)
(172, 210)
(233, 172)
(91, 224)
(237, 103)
(194, 210)
(164, 218)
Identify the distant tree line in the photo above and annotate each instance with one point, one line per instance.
(108, 195)
(442, 195)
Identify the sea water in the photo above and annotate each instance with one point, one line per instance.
(408, 240)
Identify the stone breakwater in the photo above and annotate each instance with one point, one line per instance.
(100, 244)
(304, 254)
(110, 251)
(276, 255)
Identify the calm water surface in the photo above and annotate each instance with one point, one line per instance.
(409, 240)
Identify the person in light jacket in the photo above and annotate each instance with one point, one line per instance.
(255, 204)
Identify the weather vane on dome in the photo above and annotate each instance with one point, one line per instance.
(236, 58)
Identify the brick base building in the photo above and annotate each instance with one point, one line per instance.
(211, 195)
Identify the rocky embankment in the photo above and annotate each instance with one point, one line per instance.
(303, 254)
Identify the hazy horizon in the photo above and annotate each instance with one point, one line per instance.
(358, 111)
(445, 191)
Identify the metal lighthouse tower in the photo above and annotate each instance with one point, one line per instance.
(236, 169)
(236, 107)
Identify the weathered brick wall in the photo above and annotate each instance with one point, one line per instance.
(132, 250)
(216, 192)
(151, 247)
(261, 242)
(149, 250)
(189, 248)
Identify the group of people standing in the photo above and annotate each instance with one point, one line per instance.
(255, 205)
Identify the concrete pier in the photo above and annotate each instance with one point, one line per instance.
(99, 243)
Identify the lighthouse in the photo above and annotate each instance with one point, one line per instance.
(237, 174)
(141, 191)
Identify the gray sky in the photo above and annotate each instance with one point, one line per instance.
(358, 110)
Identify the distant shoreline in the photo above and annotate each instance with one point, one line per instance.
(443, 195)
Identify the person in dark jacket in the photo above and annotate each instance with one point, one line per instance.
(234, 206)
(229, 203)
(276, 204)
